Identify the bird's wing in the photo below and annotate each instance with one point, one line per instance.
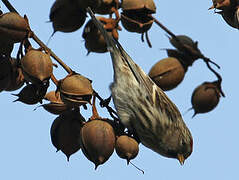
(114, 46)
(153, 93)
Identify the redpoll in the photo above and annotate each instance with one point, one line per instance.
(143, 107)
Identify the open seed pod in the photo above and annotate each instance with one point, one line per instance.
(167, 73)
(97, 141)
(56, 106)
(94, 40)
(135, 16)
(230, 17)
(65, 132)
(31, 94)
(205, 97)
(66, 16)
(107, 7)
(75, 90)
(37, 66)
(5, 72)
(6, 48)
(13, 28)
(17, 79)
(126, 147)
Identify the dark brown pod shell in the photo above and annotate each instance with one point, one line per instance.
(167, 73)
(31, 94)
(75, 90)
(56, 108)
(6, 48)
(147, 5)
(184, 40)
(5, 72)
(65, 132)
(205, 98)
(136, 21)
(126, 147)
(94, 40)
(66, 16)
(106, 7)
(98, 141)
(37, 66)
(17, 77)
(13, 27)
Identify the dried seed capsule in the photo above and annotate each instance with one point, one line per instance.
(75, 90)
(126, 147)
(135, 16)
(66, 16)
(167, 73)
(65, 132)
(17, 79)
(184, 40)
(31, 94)
(56, 106)
(97, 141)
(6, 48)
(37, 66)
(94, 40)
(205, 98)
(13, 28)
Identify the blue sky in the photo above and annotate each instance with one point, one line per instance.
(27, 153)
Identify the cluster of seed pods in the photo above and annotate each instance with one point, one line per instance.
(69, 16)
(169, 72)
(33, 69)
(97, 137)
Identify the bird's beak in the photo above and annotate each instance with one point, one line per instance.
(181, 159)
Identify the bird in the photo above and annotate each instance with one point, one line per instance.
(143, 108)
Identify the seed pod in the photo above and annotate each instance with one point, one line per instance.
(147, 5)
(65, 132)
(56, 106)
(94, 40)
(205, 98)
(66, 16)
(167, 73)
(75, 90)
(135, 16)
(97, 141)
(6, 48)
(5, 72)
(37, 66)
(184, 58)
(230, 17)
(31, 94)
(106, 7)
(136, 22)
(126, 147)
(184, 40)
(13, 28)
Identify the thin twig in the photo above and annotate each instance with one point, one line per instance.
(111, 111)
